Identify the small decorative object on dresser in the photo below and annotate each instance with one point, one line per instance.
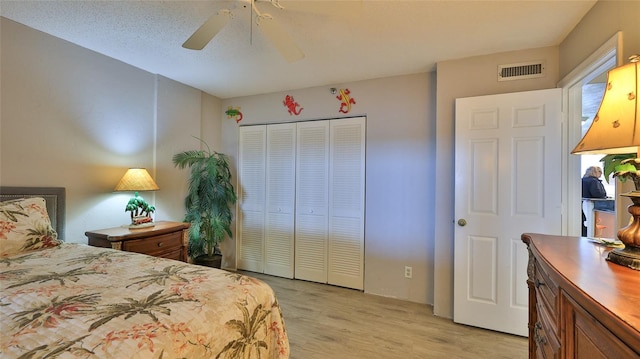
(165, 239)
(580, 306)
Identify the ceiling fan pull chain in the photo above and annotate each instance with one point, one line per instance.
(253, 7)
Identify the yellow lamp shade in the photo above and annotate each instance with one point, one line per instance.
(615, 128)
(136, 179)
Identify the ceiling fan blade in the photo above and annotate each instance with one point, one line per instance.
(207, 31)
(280, 39)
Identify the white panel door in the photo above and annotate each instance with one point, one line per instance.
(507, 181)
(251, 198)
(280, 200)
(346, 203)
(311, 220)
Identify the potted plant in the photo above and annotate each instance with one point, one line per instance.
(616, 163)
(208, 203)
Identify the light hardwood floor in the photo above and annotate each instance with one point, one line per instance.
(327, 322)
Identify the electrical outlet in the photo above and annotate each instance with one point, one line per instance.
(408, 272)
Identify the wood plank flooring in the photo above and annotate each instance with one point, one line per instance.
(327, 322)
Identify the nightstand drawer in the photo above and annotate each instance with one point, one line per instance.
(177, 255)
(163, 239)
(155, 245)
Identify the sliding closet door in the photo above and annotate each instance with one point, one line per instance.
(280, 200)
(251, 198)
(346, 203)
(312, 176)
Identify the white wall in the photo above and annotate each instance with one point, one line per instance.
(76, 119)
(399, 171)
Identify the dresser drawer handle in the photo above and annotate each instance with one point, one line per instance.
(159, 244)
(539, 339)
(538, 283)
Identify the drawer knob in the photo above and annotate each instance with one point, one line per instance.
(538, 283)
(539, 339)
(159, 244)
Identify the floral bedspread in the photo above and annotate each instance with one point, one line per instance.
(76, 301)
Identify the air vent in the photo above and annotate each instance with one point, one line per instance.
(521, 71)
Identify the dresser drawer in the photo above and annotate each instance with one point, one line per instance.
(547, 294)
(155, 246)
(544, 335)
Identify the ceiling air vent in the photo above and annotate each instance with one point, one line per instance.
(525, 70)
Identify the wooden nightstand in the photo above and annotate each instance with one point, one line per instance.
(165, 239)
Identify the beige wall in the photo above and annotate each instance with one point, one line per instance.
(399, 179)
(76, 119)
(599, 25)
(468, 77)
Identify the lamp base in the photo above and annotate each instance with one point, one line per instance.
(628, 257)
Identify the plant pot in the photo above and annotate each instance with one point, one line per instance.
(214, 261)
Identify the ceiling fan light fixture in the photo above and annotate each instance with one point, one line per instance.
(279, 38)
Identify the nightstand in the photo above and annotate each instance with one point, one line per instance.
(165, 239)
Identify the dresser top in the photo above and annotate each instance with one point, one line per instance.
(125, 233)
(583, 265)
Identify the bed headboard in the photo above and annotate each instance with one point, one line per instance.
(54, 196)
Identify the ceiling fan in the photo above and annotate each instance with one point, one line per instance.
(278, 37)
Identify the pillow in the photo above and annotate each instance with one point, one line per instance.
(25, 226)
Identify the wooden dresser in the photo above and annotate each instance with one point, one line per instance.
(580, 305)
(165, 239)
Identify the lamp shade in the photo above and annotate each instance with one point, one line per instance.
(616, 126)
(136, 179)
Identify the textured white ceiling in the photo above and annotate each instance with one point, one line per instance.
(379, 39)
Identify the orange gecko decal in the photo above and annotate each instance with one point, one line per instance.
(346, 100)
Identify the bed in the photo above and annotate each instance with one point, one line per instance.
(75, 301)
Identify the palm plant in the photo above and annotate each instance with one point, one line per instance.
(615, 163)
(208, 203)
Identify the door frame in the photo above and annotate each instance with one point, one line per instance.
(571, 116)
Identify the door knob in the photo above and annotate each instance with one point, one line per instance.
(462, 222)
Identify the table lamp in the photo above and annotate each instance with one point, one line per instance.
(616, 130)
(138, 179)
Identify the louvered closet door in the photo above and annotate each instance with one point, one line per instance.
(251, 203)
(280, 199)
(346, 203)
(311, 220)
